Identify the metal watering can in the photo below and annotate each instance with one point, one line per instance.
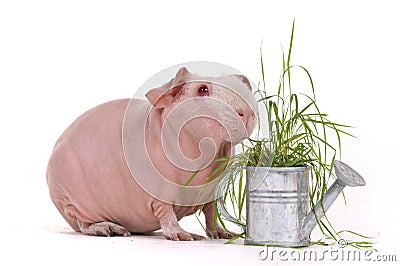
(277, 203)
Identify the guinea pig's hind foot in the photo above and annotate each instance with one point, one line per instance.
(102, 229)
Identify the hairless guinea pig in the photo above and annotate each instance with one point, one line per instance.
(99, 174)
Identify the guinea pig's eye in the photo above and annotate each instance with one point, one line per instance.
(203, 91)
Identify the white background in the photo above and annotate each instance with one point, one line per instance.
(61, 58)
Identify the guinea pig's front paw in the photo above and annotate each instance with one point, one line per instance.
(218, 233)
(177, 234)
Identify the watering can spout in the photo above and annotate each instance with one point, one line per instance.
(346, 176)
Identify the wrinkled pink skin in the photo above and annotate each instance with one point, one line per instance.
(93, 189)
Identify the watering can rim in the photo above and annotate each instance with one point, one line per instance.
(279, 169)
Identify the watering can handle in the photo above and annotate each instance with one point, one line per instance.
(220, 201)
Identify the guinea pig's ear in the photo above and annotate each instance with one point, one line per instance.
(164, 96)
(244, 80)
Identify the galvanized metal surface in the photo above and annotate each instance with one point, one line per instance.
(276, 206)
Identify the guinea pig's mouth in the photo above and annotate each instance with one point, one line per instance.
(235, 134)
(235, 141)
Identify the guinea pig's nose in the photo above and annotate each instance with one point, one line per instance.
(240, 113)
(242, 116)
